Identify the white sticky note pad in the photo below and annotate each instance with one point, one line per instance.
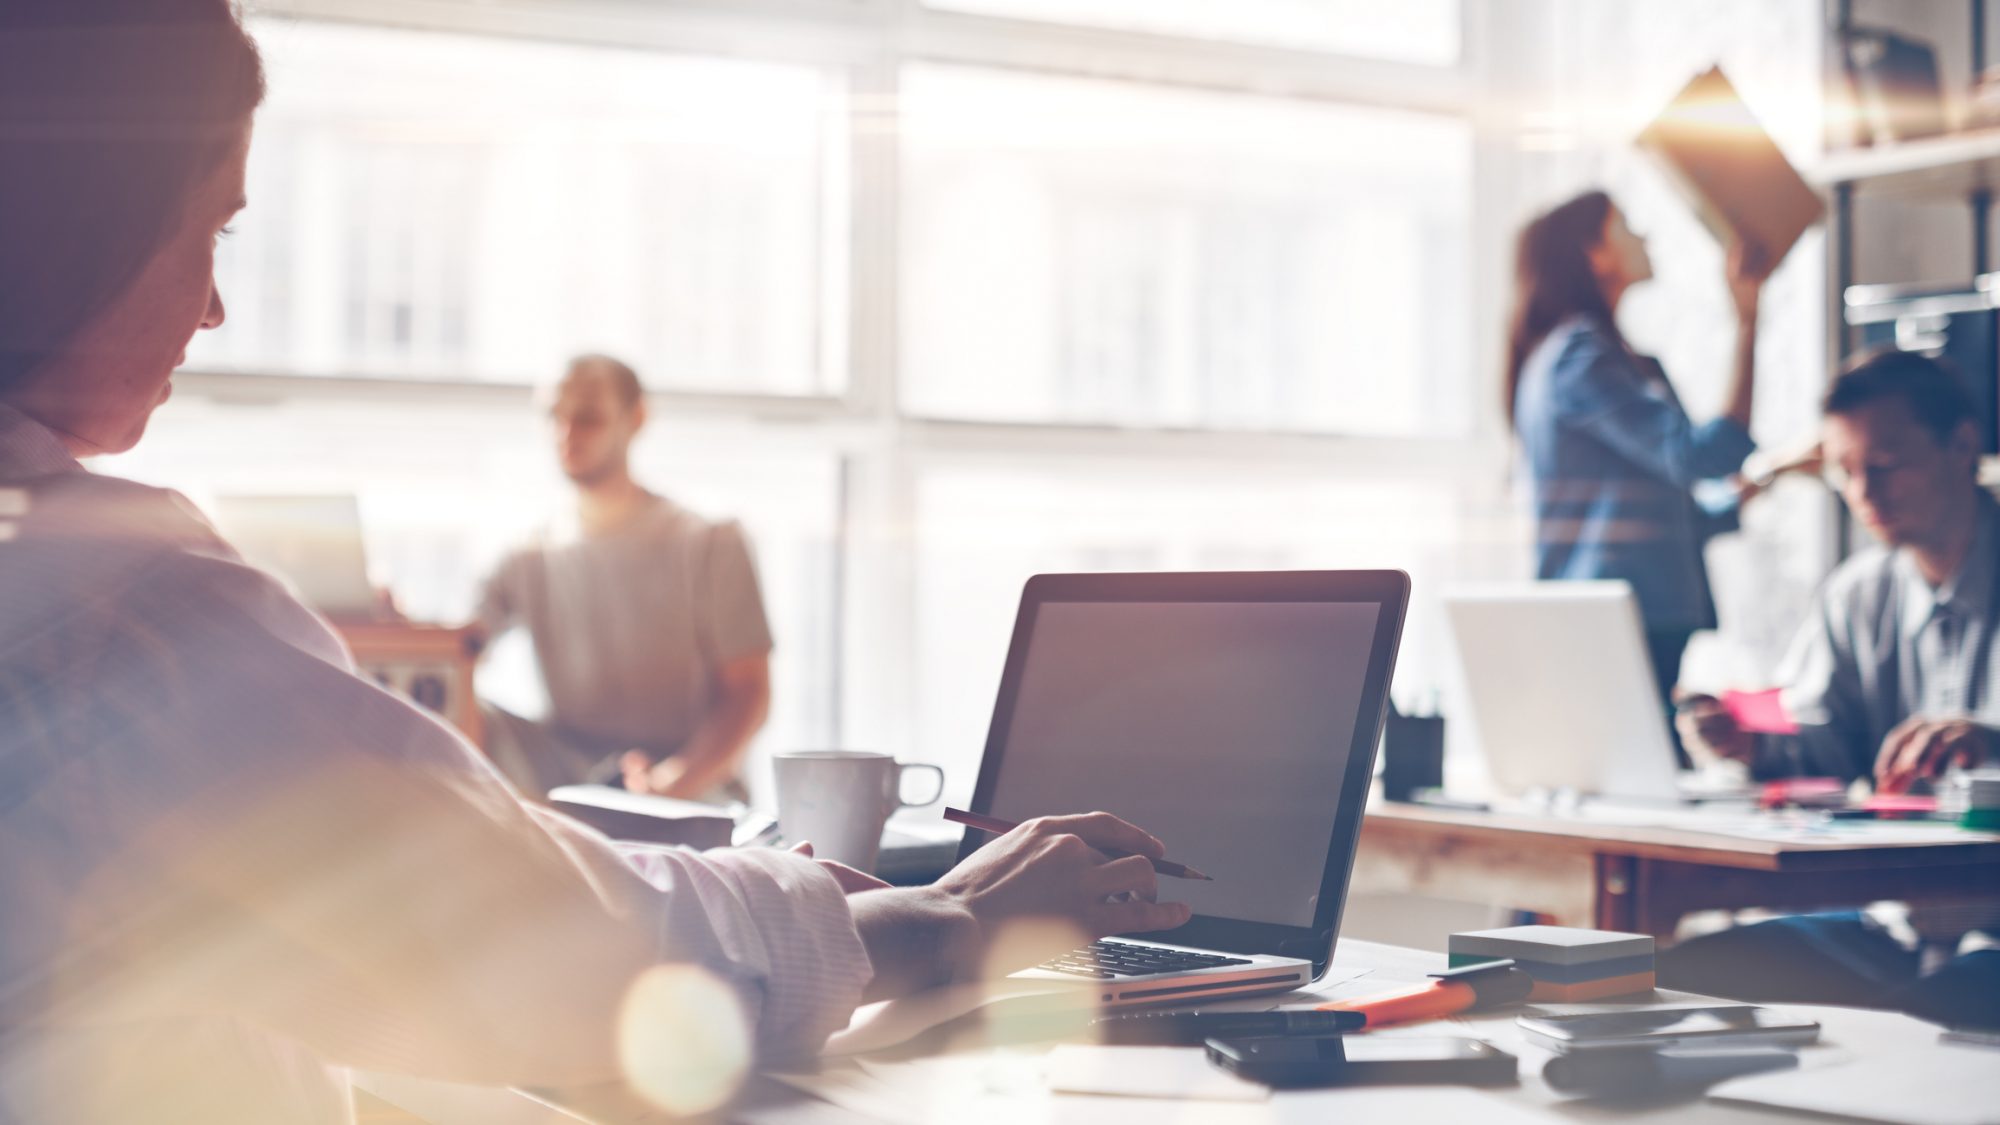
(1147, 1072)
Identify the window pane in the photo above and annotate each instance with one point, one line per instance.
(1087, 251)
(1419, 31)
(455, 207)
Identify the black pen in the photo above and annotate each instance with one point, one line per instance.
(1156, 1029)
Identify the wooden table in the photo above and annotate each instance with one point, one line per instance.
(430, 665)
(1644, 879)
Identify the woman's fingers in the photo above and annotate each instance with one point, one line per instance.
(1105, 832)
(1132, 875)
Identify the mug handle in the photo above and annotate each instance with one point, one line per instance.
(930, 800)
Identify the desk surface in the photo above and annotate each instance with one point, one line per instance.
(920, 1097)
(1644, 870)
(1683, 836)
(1847, 1032)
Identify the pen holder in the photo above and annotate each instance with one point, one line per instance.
(1412, 755)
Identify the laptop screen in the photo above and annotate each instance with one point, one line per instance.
(1223, 728)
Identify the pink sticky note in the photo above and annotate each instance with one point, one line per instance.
(1759, 712)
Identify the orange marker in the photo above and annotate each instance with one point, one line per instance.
(1487, 985)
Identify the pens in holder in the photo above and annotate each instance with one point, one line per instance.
(997, 826)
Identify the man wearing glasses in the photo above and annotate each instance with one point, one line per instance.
(1894, 676)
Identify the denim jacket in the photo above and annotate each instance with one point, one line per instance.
(1615, 462)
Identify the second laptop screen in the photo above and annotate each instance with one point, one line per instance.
(1225, 729)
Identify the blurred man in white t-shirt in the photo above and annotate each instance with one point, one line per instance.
(646, 619)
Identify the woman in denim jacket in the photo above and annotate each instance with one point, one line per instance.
(1614, 457)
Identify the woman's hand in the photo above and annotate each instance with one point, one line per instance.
(1052, 867)
(1748, 269)
(1042, 889)
(1805, 460)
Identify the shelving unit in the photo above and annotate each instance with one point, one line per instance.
(1953, 167)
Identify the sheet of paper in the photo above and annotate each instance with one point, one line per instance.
(889, 1023)
(1759, 712)
(855, 1090)
(1147, 1072)
(1941, 1085)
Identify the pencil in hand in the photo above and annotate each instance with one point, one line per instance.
(997, 826)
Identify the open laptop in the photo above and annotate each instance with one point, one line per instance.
(313, 542)
(1233, 715)
(1562, 689)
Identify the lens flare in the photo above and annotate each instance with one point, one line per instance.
(683, 1042)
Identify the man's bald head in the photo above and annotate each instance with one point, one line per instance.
(597, 409)
(617, 372)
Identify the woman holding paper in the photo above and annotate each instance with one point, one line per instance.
(1615, 460)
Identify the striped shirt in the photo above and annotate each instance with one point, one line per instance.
(1883, 645)
(230, 868)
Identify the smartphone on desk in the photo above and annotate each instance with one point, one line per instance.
(1722, 1024)
(1295, 1061)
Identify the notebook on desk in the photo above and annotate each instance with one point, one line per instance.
(1233, 715)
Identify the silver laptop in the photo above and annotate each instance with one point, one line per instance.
(1233, 715)
(1562, 689)
(312, 542)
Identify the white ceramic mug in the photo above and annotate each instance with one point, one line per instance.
(839, 800)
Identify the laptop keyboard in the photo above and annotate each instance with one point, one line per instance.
(1102, 960)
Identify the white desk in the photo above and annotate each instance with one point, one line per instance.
(1846, 1034)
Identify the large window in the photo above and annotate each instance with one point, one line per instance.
(1090, 251)
(931, 294)
(473, 208)
(1420, 31)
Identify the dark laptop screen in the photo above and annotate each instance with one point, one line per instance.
(1224, 728)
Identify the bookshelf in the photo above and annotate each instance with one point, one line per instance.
(1949, 167)
(1961, 167)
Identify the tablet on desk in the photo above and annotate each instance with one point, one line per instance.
(1735, 1024)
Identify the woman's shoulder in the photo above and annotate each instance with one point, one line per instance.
(1579, 336)
(1579, 352)
(112, 513)
(137, 551)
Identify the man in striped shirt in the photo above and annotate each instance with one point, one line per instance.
(1894, 676)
